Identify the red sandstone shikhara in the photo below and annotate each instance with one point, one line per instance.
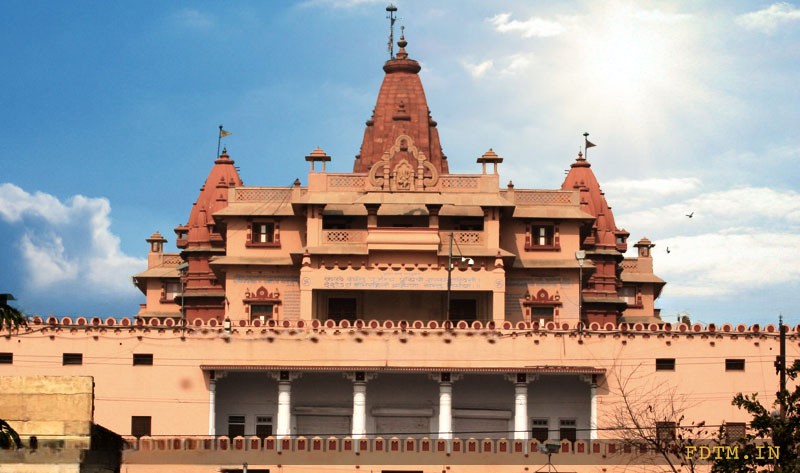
(398, 317)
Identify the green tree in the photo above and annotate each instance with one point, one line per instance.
(11, 319)
(768, 428)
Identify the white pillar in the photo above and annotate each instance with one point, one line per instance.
(359, 409)
(521, 411)
(445, 411)
(212, 407)
(593, 411)
(284, 427)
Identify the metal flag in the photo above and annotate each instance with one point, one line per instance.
(222, 134)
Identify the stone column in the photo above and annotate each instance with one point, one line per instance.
(591, 380)
(445, 409)
(212, 406)
(359, 409)
(498, 291)
(521, 411)
(284, 427)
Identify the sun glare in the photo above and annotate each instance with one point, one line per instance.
(632, 55)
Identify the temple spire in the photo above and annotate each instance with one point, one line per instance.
(401, 112)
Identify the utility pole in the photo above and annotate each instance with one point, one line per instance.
(780, 366)
(449, 278)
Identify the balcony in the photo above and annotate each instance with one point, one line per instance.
(345, 236)
(463, 238)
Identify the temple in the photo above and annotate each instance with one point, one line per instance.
(400, 228)
(399, 318)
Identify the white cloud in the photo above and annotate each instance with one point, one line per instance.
(718, 264)
(754, 207)
(46, 261)
(532, 27)
(478, 70)
(767, 20)
(193, 19)
(15, 202)
(517, 63)
(658, 16)
(654, 186)
(67, 242)
(627, 195)
(736, 240)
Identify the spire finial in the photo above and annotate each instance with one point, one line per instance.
(391, 9)
(401, 53)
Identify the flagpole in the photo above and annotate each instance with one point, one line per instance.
(586, 145)
(585, 148)
(219, 140)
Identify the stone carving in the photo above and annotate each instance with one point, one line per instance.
(403, 168)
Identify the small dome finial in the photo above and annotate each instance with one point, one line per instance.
(401, 53)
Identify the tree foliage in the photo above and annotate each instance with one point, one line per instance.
(8, 436)
(650, 416)
(11, 319)
(767, 428)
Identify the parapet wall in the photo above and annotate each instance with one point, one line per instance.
(381, 451)
(96, 323)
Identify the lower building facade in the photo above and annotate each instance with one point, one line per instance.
(399, 396)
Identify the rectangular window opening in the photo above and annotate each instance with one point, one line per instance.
(142, 359)
(72, 359)
(734, 364)
(342, 308)
(542, 315)
(463, 309)
(262, 312)
(263, 426)
(140, 426)
(540, 429)
(171, 291)
(665, 364)
(735, 431)
(6, 358)
(236, 426)
(542, 235)
(666, 431)
(568, 429)
(263, 233)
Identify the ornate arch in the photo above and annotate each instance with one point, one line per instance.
(398, 173)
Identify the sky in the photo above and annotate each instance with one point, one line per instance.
(111, 113)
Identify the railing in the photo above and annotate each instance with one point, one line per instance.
(262, 194)
(392, 444)
(458, 183)
(629, 264)
(37, 322)
(344, 236)
(541, 197)
(465, 238)
(345, 182)
(505, 454)
(171, 259)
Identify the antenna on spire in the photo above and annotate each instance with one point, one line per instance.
(391, 9)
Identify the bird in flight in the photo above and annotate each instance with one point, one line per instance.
(690, 215)
(668, 250)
